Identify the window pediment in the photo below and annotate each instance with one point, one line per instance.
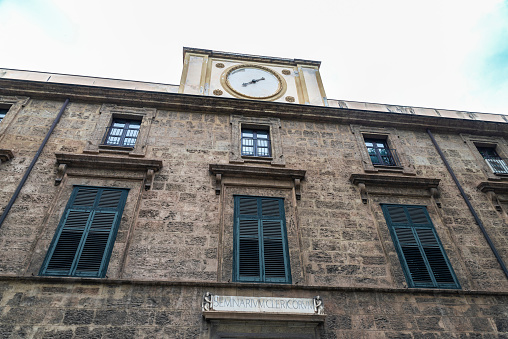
(148, 166)
(387, 184)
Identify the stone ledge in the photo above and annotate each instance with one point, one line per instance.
(64, 160)
(220, 170)
(376, 180)
(216, 105)
(390, 180)
(220, 285)
(492, 189)
(5, 155)
(308, 318)
(496, 187)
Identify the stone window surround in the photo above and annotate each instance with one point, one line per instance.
(392, 139)
(49, 226)
(15, 104)
(278, 189)
(110, 111)
(272, 124)
(499, 143)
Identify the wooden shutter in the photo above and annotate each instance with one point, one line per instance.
(421, 254)
(260, 248)
(85, 236)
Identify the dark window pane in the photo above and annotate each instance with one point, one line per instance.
(255, 143)
(123, 133)
(379, 152)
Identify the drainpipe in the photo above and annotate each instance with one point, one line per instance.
(468, 203)
(32, 164)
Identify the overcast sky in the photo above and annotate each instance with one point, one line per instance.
(450, 54)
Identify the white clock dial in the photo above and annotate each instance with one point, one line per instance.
(250, 81)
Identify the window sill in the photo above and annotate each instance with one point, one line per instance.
(115, 150)
(389, 169)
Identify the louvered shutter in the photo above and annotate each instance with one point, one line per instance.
(86, 234)
(260, 247)
(420, 252)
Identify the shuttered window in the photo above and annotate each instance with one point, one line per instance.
(421, 254)
(85, 236)
(260, 246)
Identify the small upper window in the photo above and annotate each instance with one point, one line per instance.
(3, 112)
(495, 162)
(380, 154)
(122, 132)
(256, 143)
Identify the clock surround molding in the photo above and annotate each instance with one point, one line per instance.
(227, 86)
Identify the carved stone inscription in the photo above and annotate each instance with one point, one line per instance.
(261, 304)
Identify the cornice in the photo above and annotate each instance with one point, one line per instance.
(220, 105)
(386, 182)
(108, 162)
(496, 187)
(220, 170)
(397, 181)
(95, 162)
(260, 172)
(251, 58)
(225, 285)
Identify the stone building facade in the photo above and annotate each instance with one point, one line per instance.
(396, 217)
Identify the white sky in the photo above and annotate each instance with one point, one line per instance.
(449, 54)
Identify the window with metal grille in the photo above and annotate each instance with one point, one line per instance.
(380, 154)
(420, 252)
(86, 234)
(260, 247)
(3, 112)
(496, 163)
(256, 143)
(122, 132)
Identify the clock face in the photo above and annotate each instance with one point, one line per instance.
(254, 82)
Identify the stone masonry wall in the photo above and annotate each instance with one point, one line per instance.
(174, 231)
(46, 308)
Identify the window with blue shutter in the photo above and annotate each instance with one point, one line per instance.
(260, 247)
(421, 254)
(86, 234)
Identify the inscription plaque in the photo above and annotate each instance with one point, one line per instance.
(262, 304)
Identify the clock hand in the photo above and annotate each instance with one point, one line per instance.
(253, 81)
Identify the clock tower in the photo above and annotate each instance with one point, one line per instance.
(221, 74)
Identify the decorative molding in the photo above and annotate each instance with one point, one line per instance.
(15, 103)
(219, 65)
(286, 72)
(5, 155)
(492, 189)
(223, 105)
(220, 170)
(499, 143)
(273, 124)
(217, 92)
(289, 98)
(392, 138)
(107, 113)
(66, 160)
(364, 181)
